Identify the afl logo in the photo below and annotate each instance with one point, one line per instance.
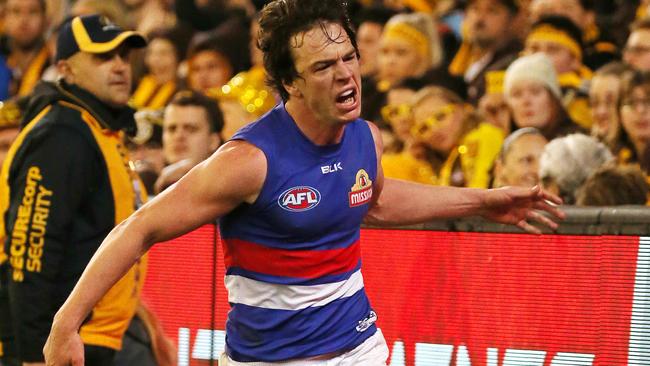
(299, 199)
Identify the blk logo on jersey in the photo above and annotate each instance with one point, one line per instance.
(299, 199)
(361, 191)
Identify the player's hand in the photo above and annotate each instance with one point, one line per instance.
(518, 206)
(63, 348)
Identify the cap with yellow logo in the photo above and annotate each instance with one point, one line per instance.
(94, 34)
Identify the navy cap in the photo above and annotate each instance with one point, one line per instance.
(94, 34)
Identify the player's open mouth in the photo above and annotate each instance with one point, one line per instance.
(347, 97)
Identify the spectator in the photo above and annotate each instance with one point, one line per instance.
(561, 41)
(162, 58)
(191, 132)
(405, 158)
(246, 96)
(614, 185)
(149, 15)
(637, 48)
(633, 143)
(409, 48)
(215, 57)
(371, 22)
(492, 106)
(604, 98)
(116, 11)
(489, 43)
(518, 160)
(69, 167)
(23, 43)
(568, 161)
(146, 147)
(462, 147)
(599, 49)
(533, 95)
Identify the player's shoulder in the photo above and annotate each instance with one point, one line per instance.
(376, 135)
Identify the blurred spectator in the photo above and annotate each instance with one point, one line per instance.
(534, 97)
(191, 132)
(204, 15)
(246, 96)
(113, 10)
(568, 161)
(396, 114)
(637, 48)
(488, 43)
(148, 15)
(145, 147)
(614, 185)
(560, 39)
(462, 148)
(518, 160)
(599, 49)
(633, 145)
(162, 58)
(371, 22)
(57, 10)
(604, 97)
(404, 158)
(492, 106)
(23, 43)
(409, 47)
(215, 57)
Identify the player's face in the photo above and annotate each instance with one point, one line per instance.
(329, 81)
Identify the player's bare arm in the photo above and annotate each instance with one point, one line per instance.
(398, 202)
(233, 175)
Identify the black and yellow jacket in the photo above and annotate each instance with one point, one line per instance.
(64, 185)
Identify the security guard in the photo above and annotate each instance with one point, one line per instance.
(66, 182)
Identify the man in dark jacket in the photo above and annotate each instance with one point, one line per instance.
(489, 43)
(66, 182)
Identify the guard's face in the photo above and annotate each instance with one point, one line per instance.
(329, 81)
(106, 75)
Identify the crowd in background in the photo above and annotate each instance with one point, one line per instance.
(474, 93)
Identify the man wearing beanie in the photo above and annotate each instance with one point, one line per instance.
(66, 182)
(489, 43)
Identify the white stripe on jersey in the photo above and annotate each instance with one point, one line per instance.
(242, 290)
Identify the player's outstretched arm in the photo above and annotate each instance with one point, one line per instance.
(233, 175)
(397, 202)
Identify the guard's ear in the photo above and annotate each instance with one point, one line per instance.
(66, 71)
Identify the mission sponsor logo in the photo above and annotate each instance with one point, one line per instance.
(301, 198)
(361, 191)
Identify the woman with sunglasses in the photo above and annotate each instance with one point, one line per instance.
(403, 158)
(460, 147)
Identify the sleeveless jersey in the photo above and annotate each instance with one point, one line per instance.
(293, 257)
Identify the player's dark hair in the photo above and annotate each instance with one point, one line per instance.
(280, 20)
